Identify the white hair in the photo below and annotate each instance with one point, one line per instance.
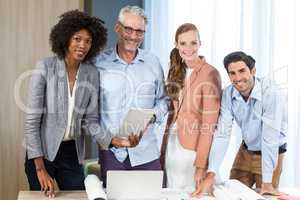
(133, 10)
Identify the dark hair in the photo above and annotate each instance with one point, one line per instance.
(177, 71)
(239, 56)
(71, 22)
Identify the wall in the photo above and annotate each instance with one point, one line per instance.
(24, 32)
(108, 11)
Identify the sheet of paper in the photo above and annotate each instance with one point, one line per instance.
(241, 191)
(136, 121)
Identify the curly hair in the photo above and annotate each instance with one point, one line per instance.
(71, 22)
(176, 75)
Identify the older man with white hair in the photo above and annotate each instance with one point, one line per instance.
(130, 78)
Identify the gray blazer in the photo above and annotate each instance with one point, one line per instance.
(47, 109)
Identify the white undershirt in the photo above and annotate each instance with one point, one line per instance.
(179, 161)
(187, 76)
(188, 72)
(69, 135)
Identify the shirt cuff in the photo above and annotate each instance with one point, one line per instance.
(103, 137)
(210, 169)
(34, 150)
(267, 177)
(34, 154)
(103, 140)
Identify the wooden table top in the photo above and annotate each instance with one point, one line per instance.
(61, 195)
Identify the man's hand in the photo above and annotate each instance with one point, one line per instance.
(205, 186)
(120, 142)
(134, 139)
(268, 189)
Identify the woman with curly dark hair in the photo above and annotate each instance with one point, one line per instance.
(63, 105)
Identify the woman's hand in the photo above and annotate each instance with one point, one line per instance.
(199, 176)
(205, 186)
(46, 181)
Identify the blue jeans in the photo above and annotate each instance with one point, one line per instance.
(65, 169)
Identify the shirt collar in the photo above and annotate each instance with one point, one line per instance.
(114, 57)
(255, 93)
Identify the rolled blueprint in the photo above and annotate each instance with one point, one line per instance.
(94, 188)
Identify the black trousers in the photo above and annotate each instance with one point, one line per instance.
(65, 169)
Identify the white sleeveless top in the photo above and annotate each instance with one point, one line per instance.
(179, 161)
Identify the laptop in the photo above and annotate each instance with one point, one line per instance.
(134, 185)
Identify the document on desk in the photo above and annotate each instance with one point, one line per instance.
(136, 121)
(235, 190)
(228, 190)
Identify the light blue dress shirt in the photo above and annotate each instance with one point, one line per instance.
(139, 84)
(263, 123)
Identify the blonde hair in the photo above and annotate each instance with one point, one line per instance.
(177, 71)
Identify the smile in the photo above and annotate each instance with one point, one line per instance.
(81, 53)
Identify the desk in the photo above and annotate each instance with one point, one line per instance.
(76, 195)
(68, 195)
(62, 195)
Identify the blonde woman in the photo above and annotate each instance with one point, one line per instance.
(195, 88)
